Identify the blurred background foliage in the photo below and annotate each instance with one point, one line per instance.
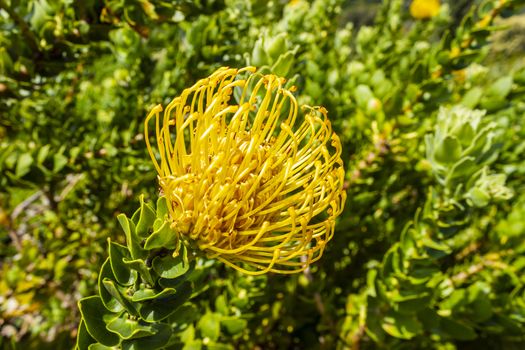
(430, 251)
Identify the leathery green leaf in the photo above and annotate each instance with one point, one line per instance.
(123, 274)
(162, 208)
(172, 267)
(165, 304)
(157, 341)
(233, 325)
(209, 325)
(144, 221)
(84, 339)
(98, 346)
(144, 294)
(163, 237)
(119, 294)
(457, 330)
(175, 282)
(401, 326)
(448, 151)
(132, 239)
(111, 303)
(128, 328)
(186, 314)
(95, 317)
(140, 266)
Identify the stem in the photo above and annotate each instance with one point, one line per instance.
(319, 304)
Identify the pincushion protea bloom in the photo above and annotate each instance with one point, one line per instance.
(424, 9)
(246, 178)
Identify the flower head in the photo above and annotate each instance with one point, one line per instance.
(424, 9)
(249, 179)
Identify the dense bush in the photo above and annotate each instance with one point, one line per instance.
(430, 249)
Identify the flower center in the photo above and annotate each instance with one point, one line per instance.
(212, 205)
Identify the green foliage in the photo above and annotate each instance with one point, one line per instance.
(141, 290)
(145, 291)
(427, 254)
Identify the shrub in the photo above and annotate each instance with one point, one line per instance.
(428, 252)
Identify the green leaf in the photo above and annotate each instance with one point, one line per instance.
(146, 218)
(428, 242)
(480, 306)
(457, 330)
(218, 346)
(111, 303)
(59, 162)
(448, 151)
(209, 325)
(98, 346)
(84, 339)
(172, 267)
(363, 94)
(482, 309)
(402, 326)
(188, 334)
(492, 103)
(463, 168)
(193, 345)
(259, 57)
(42, 154)
(163, 237)
(23, 164)
(221, 305)
(161, 337)
(374, 329)
(132, 239)
(6, 63)
(233, 325)
(95, 317)
(479, 197)
(186, 314)
(166, 304)
(501, 87)
(123, 274)
(371, 277)
(144, 294)
(465, 133)
(276, 45)
(142, 269)
(128, 328)
(119, 294)
(454, 302)
(429, 318)
(283, 64)
(175, 282)
(411, 303)
(481, 142)
(162, 209)
(472, 97)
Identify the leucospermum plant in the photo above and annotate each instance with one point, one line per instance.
(247, 177)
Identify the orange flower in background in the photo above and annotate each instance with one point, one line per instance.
(252, 181)
(424, 9)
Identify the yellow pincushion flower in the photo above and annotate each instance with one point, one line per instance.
(424, 9)
(249, 179)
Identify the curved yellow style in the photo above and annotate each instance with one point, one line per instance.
(250, 179)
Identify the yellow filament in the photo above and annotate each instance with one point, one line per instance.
(241, 179)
